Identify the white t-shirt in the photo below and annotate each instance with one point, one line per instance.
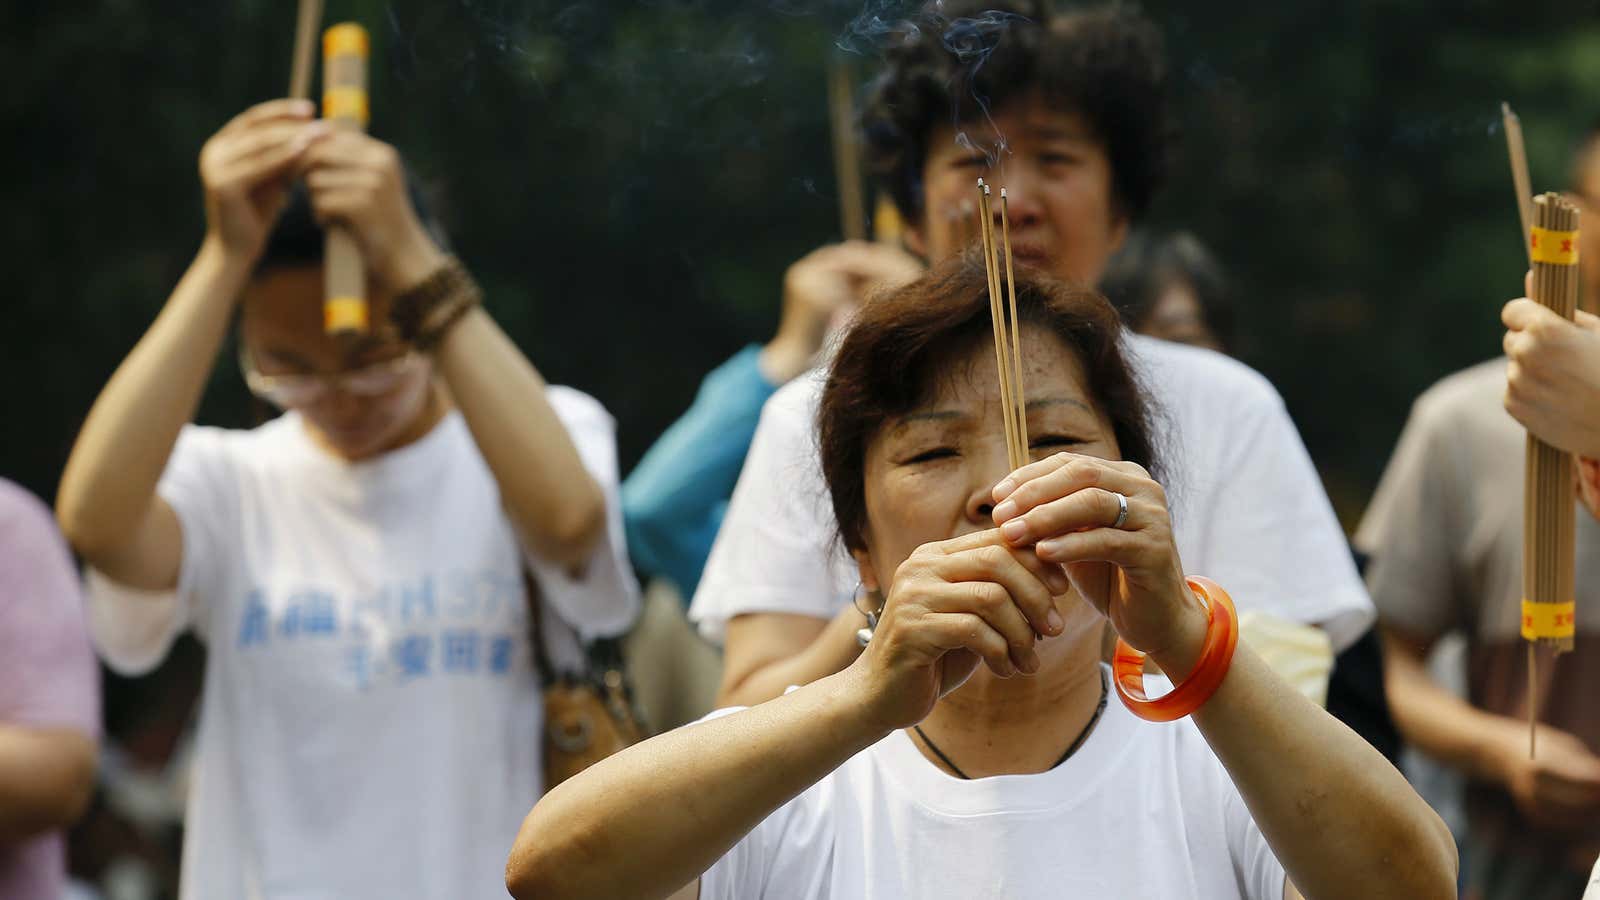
(1140, 810)
(370, 724)
(1247, 507)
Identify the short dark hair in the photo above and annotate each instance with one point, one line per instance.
(1105, 64)
(298, 240)
(891, 359)
(1150, 262)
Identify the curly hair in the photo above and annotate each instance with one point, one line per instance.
(956, 58)
(902, 341)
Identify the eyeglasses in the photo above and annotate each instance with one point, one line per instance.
(298, 390)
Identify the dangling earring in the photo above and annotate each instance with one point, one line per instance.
(864, 635)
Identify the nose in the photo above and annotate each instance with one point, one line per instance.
(988, 471)
(1021, 201)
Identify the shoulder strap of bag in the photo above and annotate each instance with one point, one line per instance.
(536, 639)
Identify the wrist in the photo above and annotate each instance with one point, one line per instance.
(1499, 740)
(783, 359)
(864, 709)
(215, 260)
(414, 259)
(1179, 654)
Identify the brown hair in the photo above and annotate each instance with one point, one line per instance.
(889, 361)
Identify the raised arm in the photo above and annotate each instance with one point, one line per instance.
(1340, 818)
(650, 820)
(107, 503)
(557, 506)
(767, 653)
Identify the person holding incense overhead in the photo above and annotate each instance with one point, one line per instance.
(974, 749)
(1445, 533)
(673, 500)
(356, 567)
(1078, 102)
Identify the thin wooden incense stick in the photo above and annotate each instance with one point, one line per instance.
(997, 319)
(344, 103)
(305, 42)
(1016, 333)
(1519, 170)
(846, 156)
(1549, 513)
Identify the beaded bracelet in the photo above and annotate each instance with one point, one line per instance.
(424, 313)
(1188, 695)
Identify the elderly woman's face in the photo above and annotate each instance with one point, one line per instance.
(930, 474)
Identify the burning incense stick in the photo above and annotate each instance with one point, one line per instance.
(846, 156)
(1519, 170)
(344, 102)
(305, 37)
(1016, 332)
(1549, 516)
(1005, 335)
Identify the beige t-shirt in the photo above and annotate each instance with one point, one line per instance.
(1444, 531)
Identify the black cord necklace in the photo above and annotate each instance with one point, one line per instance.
(1073, 748)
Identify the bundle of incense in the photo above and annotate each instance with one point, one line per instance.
(846, 157)
(1519, 171)
(887, 226)
(305, 35)
(344, 103)
(1007, 334)
(1549, 515)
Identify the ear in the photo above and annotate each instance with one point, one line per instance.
(866, 571)
(1119, 231)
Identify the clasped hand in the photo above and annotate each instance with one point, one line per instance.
(987, 598)
(353, 180)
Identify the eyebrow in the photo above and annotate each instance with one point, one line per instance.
(949, 414)
(1059, 401)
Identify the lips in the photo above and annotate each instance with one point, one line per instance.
(1031, 254)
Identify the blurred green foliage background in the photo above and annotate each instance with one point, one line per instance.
(629, 181)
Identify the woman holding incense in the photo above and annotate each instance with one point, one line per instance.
(356, 567)
(975, 748)
(1073, 125)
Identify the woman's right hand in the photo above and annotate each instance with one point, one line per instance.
(246, 169)
(952, 606)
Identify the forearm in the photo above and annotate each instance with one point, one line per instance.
(1436, 721)
(829, 651)
(556, 504)
(673, 500)
(1340, 818)
(653, 818)
(46, 778)
(110, 478)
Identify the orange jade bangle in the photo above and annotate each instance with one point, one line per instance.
(1222, 636)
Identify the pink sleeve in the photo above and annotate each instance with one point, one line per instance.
(48, 676)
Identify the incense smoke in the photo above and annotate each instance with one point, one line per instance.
(972, 39)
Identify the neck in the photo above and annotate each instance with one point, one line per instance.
(1020, 725)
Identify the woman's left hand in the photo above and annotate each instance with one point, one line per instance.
(1066, 507)
(358, 181)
